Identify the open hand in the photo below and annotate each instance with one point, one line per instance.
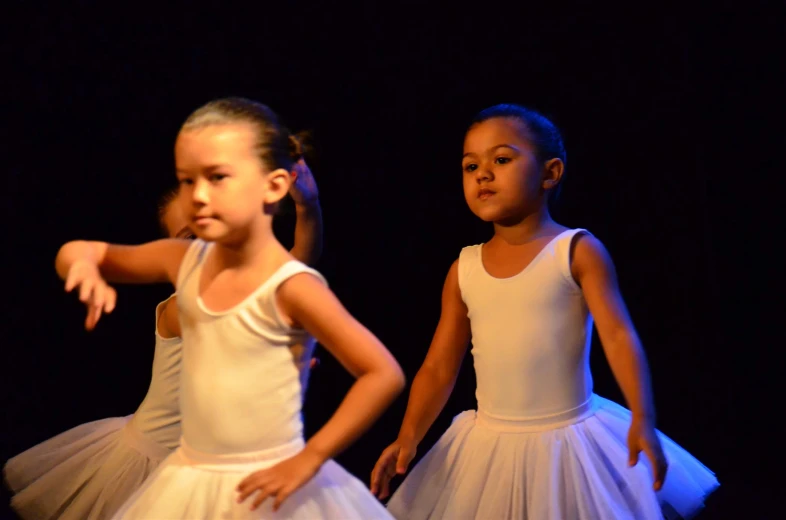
(395, 460)
(643, 437)
(279, 481)
(94, 292)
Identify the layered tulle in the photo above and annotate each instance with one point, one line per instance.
(85, 473)
(580, 471)
(195, 485)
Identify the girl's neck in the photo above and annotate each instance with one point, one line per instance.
(250, 250)
(521, 231)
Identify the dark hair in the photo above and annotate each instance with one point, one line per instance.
(163, 206)
(274, 145)
(542, 133)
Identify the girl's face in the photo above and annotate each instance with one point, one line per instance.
(224, 187)
(502, 177)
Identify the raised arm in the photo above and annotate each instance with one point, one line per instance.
(594, 271)
(431, 387)
(308, 227)
(379, 379)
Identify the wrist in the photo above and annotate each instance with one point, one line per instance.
(643, 418)
(314, 453)
(407, 436)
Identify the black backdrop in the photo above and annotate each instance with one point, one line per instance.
(671, 124)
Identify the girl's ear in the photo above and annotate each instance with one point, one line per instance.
(552, 173)
(278, 184)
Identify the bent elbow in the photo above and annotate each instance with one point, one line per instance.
(397, 379)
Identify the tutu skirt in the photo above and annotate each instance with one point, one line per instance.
(85, 473)
(489, 468)
(190, 484)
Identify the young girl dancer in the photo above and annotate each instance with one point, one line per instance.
(89, 471)
(541, 445)
(247, 312)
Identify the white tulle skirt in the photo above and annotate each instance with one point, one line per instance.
(190, 485)
(85, 473)
(484, 468)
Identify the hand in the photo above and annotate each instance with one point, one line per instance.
(281, 480)
(393, 461)
(93, 291)
(304, 189)
(642, 436)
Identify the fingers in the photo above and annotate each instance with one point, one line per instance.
(249, 484)
(263, 494)
(633, 451)
(383, 471)
(263, 484)
(99, 298)
(385, 488)
(86, 289)
(282, 495)
(93, 315)
(404, 458)
(72, 280)
(381, 484)
(111, 300)
(376, 475)
(659, 465)
(380, 478)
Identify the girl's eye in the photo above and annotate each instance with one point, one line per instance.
(470, 167)
(186, 181)
(217, 177)
(502, 160)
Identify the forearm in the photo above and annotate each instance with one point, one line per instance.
(371, 394)
(308, 232)
(629, 365)
(430, 391)
(77, 250)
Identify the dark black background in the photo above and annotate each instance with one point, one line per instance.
(672, 122)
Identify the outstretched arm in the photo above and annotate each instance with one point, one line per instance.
(431, 387)
(87, 265)
(152, 262)
(308, 227)
(593, 270)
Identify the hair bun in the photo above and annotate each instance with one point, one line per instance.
(295, 148)
(299, 145)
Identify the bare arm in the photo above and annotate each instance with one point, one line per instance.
(431, 387)
(87, 266)
(594, 270)
(309, 303)
(434, 382)
(152, 262)
(308, 232)
(308, 227)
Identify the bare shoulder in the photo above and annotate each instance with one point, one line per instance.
(301, 285)
(452, 276)
(304, 297)
(589, 255)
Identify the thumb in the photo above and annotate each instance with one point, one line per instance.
(403, 461)
(633, 454)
